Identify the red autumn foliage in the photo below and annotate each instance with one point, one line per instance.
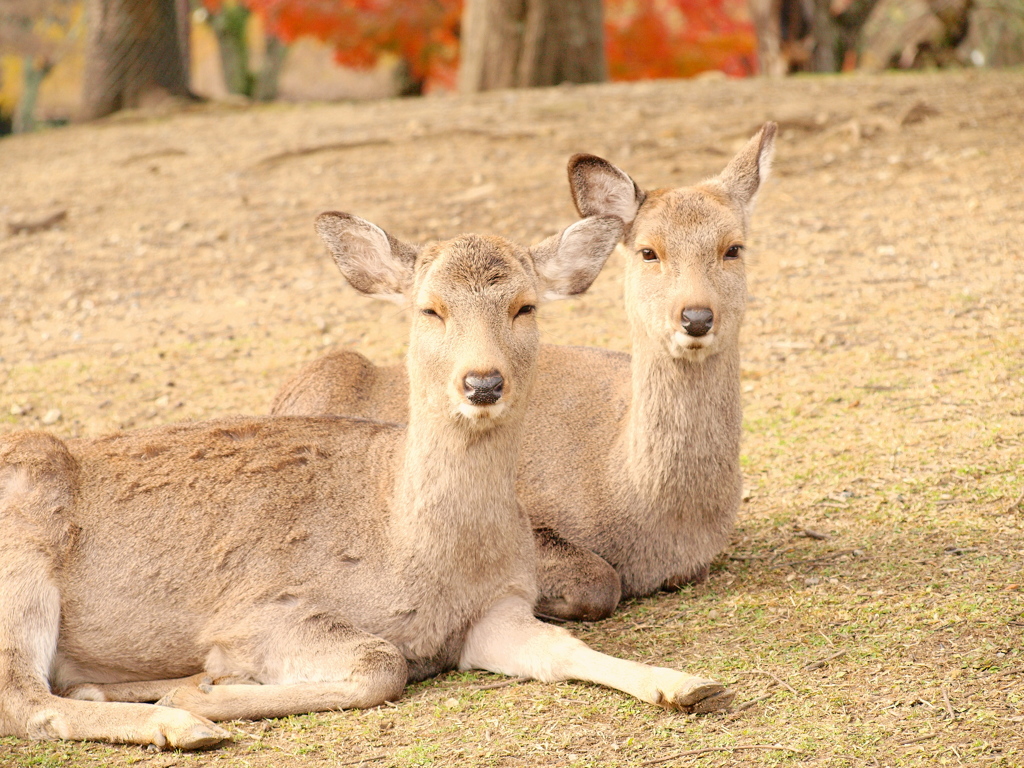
(644, 38)
(424, 34)
(678, 38)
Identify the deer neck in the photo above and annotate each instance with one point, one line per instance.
(680, 443)
(454, 497)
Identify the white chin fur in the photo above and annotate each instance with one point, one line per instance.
(480, 414)
(683, 346)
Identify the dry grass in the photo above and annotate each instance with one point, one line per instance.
(883, 377)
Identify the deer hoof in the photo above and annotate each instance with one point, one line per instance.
(716, 702)
(179, 729)
(201, 736)
(698, 696)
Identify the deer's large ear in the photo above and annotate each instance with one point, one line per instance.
(600, 189)
(747, 171)
(372, 261)
(568, 262)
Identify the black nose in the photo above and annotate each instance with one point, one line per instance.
(483, 389)
(697, 320)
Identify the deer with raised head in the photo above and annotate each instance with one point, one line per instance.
(630, 470)
(262, 567)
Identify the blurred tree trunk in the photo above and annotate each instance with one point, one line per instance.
(524, 43)
(265, 87)
(914, 33)
(134, 50)
(807, 35)
(231, 27)
(837, 26)
(36, 70)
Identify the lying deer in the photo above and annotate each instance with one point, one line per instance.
(329, 560)
(635, 458)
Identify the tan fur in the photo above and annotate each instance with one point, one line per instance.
(261, 567)
(635, 458)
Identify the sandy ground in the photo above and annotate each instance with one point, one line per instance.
(883, 365)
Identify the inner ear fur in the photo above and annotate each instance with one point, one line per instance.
(569, 262)
(601, 189)
(373, 262)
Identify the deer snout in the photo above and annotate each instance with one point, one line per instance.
(483, 388)
(697, 321)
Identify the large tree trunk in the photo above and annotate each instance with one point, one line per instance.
(134, 50)
(523, 43)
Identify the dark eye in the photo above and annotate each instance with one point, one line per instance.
(648, 254)
(526, 309)
(733, 252)
(429, 312)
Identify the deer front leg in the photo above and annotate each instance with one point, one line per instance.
(510, 641)
(29, 628)
(316, 664)
(140, 691)
(574, 584)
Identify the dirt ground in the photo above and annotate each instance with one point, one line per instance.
(883, 381)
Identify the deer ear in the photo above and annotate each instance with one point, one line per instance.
(373, 262)
(751, 166)
(568, 262)
(600, 189)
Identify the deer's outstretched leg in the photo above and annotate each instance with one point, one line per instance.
(511, 641)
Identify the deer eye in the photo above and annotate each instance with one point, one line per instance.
(526, 309)
(733, 252)
(429, 312)
(648, 254)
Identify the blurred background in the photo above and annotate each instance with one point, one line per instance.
(62, 60)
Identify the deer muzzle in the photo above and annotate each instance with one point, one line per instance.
(697, 321)
(483, 389)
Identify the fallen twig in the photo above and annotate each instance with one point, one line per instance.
(169, 152)
(947, 704)
(918, 739)
(334, 146)
(753, 702)
(338, 146)
(1017, 503)
(362, 760)
(955, 550)
(500, 684)
(706, 750)
(824, 662)
(1008, 672)
(36, 225)
(552, 619)
(824, 559)
(778, 680)
(811, 534)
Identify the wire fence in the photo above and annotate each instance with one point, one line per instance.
(134, 48)
(104, 54)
